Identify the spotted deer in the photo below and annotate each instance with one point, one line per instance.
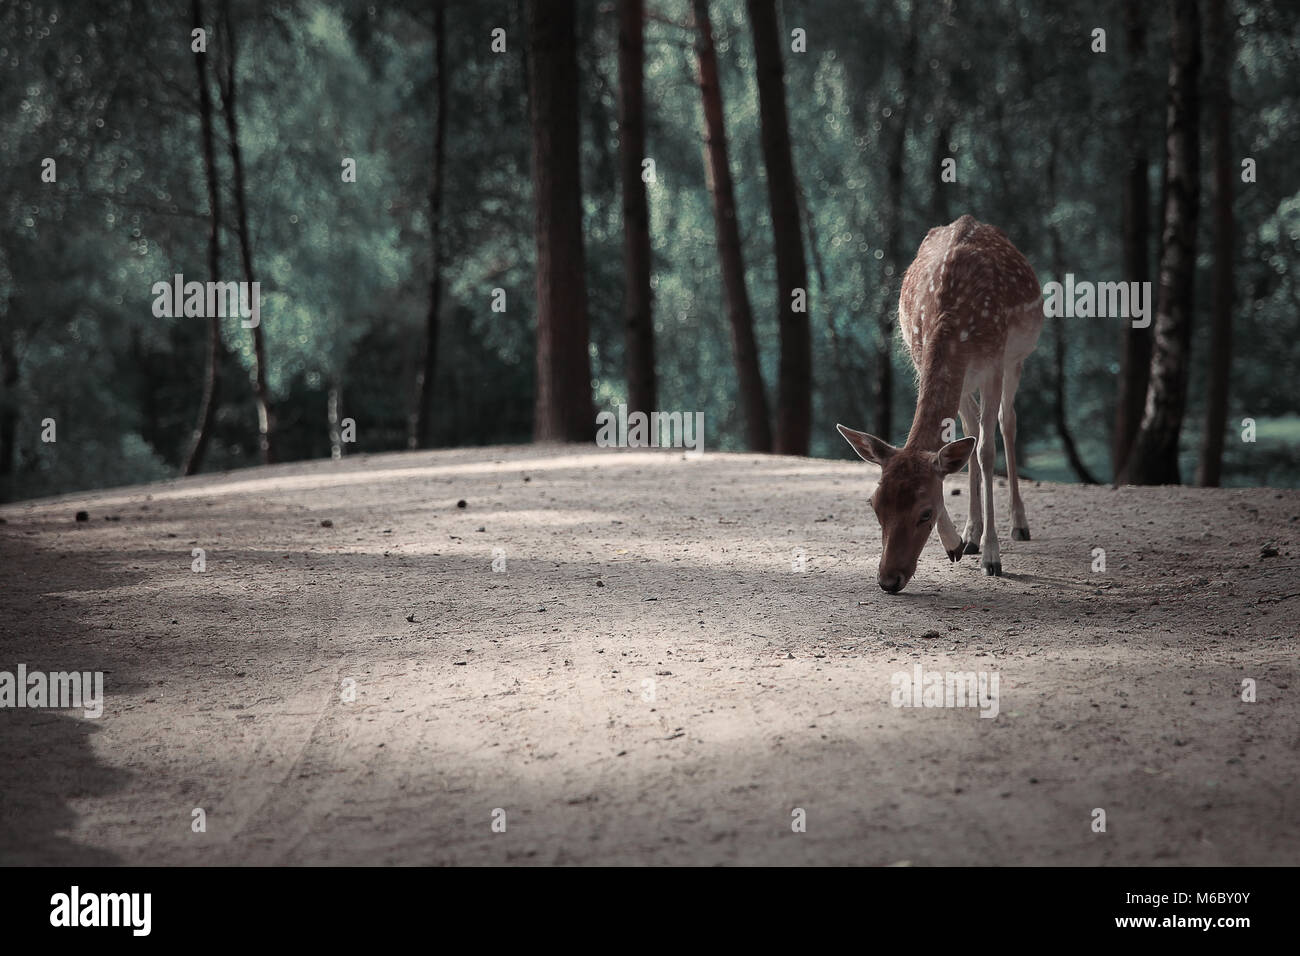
(970, 312)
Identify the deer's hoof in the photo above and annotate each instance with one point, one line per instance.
(971, 548)
(955, 554)
(1019, 534)
(993, 569)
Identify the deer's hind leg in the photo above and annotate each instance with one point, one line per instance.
(1007, 420)
(970, 425)
(987, 450)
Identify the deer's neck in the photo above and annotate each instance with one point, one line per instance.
(943, 376)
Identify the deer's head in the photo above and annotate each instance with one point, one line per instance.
(908, 498)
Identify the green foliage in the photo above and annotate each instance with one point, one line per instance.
(109, 89)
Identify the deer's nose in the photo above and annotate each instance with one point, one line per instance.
(891, 584)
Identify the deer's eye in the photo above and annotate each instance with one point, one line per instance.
(926, 515)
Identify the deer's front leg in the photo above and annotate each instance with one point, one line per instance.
(952, 541)
(987, 450)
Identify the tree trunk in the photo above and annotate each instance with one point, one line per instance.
(332, 400)
(1220, 94)
(939, 213)
(1059, 416)
(1135, 344)
(794, 387)
(418, 423)
(883, 389)
(1154, 459)
(845, 385)
(638, 308)
(562, 410)
(261, 392)
(946, 111)
(212, 375)
(753, 396)
(9, 373)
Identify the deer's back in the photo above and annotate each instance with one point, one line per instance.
(970, 285)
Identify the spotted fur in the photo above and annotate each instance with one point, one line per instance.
(970, 313)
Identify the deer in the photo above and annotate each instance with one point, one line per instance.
(970, 312)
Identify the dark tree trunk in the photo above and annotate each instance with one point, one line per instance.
(1154, 459)
(846, 385)
(562, 410)
(1135, 344)
(418, 424)
(261, 392)
(946, 111)
(1220, 33)
(333, 420)
(638, 308)
(794, 387)
(212, 375)
(1059, 416)
(939, 212)
(753, 397)
(883, 388)
(9, 394)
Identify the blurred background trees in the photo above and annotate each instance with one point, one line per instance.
(491, 274)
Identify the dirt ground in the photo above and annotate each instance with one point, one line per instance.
(647, 680)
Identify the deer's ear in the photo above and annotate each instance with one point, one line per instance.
(953, 455)
(869, 447)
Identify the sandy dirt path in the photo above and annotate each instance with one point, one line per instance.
(647, 680)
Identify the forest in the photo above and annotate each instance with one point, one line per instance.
(483, 223)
